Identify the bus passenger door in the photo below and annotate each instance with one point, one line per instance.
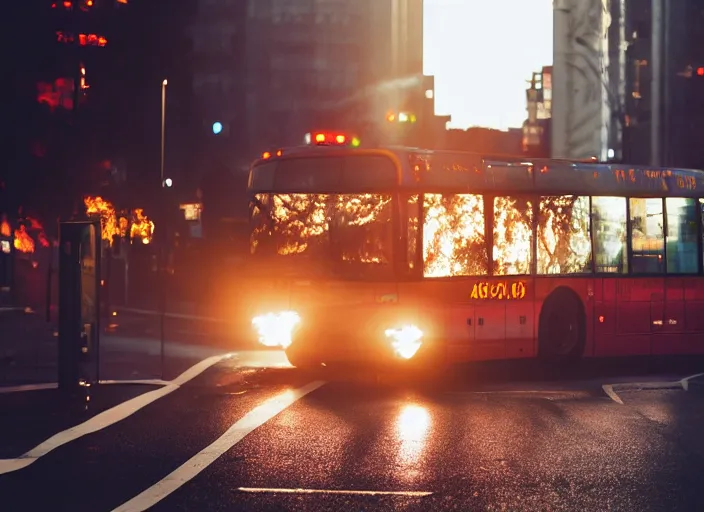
(460, 332)
(490, 337)
(520, 329)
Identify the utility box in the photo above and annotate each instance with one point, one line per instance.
(79, 303)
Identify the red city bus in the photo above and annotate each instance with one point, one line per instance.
(376, 255)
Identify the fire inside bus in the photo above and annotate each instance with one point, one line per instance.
(427, 257)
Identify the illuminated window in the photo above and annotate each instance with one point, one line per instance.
(453, 235)
(609, 232)
(563, 240)
(647, 236)
(682, 232)
(513, 236)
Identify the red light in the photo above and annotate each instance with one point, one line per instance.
(700, 71)
(279, 152)
(266, 155)
(340, 139)
(320, 137)
(67, 5)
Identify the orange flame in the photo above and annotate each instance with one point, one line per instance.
(142, 227)
(23, 242)
(99, 207)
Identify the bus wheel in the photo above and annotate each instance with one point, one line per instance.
(561, 332)
(301, 361)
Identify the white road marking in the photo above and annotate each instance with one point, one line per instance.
(520, 392)
(238, 431)
(106, 418)
(147, 382)
(28, 387)
(685, 381)
(609, 390)
(412, 494)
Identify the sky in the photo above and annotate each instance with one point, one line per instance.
(482, 53)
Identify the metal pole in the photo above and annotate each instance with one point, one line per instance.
(163, 249)
(656, 84)
(163, 125)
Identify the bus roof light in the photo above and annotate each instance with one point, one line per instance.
(266, 155)
(319, 137)
(340, 139)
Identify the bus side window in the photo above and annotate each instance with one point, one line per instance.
(513, 236)
(453, 236)
(682, 232)
(609, 231)
(647, 236)
(563, 235)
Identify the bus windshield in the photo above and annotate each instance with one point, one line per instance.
(323, 235)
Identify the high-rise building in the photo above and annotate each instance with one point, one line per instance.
(218, 64)
(664, 91)
(277, 69)
(536, 128)
(306, 60)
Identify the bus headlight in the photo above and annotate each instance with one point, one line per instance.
(405, 340)
(276, 329)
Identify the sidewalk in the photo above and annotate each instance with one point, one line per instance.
(28, 347)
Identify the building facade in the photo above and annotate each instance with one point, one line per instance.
(664, 86)
(581, 108)
(272, 70)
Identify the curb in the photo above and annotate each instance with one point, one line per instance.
(151, 312)
(612, 390)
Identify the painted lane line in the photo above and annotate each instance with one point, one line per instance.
(106, 418)
(28, 387)
(520, 392)
(685, 381)
(54, 385)
(411, 494)
(609, 390)
(238, 431)
(146, 382)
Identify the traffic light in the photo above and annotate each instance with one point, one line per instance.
(700, 71)
(217, 128)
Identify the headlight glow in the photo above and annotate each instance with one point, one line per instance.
(275, 329)
(405, 341)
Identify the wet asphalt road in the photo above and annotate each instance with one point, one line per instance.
(470, 444)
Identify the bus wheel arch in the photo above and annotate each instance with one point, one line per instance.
(562, 325)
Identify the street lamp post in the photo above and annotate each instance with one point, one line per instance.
(164, 250)
(163, 126)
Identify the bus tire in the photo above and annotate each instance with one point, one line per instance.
(301, 360)
(562, 328)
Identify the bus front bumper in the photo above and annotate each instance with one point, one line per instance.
(349, 340)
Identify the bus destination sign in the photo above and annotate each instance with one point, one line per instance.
(498, 291)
